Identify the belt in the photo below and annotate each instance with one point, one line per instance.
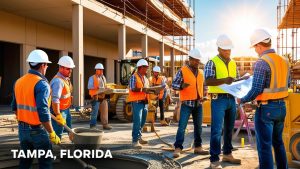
(271, 101)
(139, 101)
(216, 95)
(28, 125)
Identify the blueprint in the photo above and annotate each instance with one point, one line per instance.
(238, 89)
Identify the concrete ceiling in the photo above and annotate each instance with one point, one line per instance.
(59, 13)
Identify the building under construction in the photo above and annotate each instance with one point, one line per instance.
(91, 32)
(288, 24)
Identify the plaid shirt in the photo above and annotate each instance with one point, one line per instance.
(261, 78)
(210, 69)
(178, 81)
(132, 81)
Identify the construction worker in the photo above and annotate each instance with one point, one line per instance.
(189, 81)
(221, 70)
(30, 104)
(138, 85)
(269, 87)
(96, 82)
(61, 89)
(157, 80)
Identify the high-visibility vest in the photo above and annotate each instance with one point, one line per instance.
(65, 98)
(157, 81)
(137, 96)
(195, 89)
(222, 71)
(94, 91)
(25, 99)
(279, 78)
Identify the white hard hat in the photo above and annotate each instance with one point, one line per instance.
(156, 69)
(259, 35)
(224, 42)
(99, 66)
(38, 56)
(142, 62)
(66, 61)
(195, 53)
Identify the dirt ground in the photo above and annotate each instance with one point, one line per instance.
(120, 136)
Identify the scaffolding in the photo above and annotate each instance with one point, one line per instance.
(288, 40)
(170, 18)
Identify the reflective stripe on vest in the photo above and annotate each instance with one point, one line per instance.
(279, 78)
(97, 84)
(195, 89)
(65, 98)
(157, 81)
(222, 71)
(25, 99)
(137, 96)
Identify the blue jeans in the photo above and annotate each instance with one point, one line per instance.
(140, 111)
(223, 110)
(34, 139)
(185, 112)
(269, 123)
(58, 128)
(94, 114)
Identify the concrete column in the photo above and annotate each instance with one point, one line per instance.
(161, 55)
(172, 63)
(144, 46)
(63, 53)
(77, 38)
(121, 48)
(109, 69)
(25, 50)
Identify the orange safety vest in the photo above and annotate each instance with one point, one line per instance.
(94, 91)
(279, 78)
(65, 98)
(195, 88)
(25, 99)
(158, 81)
(137, 96)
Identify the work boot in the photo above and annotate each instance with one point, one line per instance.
(107, 127)
(164, 123)
(136, 145)
(142, 141)
(215, 165)
(177, 152)
(200, 151)
(229, 158)
(93, 126)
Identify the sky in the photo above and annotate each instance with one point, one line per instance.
(237, 19)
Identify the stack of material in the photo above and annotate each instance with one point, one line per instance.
(296, 71)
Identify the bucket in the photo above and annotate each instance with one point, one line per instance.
(86, 138)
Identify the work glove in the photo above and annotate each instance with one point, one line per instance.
(60, 120)
(54, 138)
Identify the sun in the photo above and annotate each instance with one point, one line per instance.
(242, 26)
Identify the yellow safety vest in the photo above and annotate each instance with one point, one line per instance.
(222, 71)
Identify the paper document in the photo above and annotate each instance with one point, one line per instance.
(238, 89)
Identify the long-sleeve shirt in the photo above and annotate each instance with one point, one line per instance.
(210, 69)
(178, 81)
(41, 94)
(102, 82)
(261, 78)
(57, 86)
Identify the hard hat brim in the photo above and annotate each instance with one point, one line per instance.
(226, 47)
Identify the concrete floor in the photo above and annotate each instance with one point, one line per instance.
(120, 136)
